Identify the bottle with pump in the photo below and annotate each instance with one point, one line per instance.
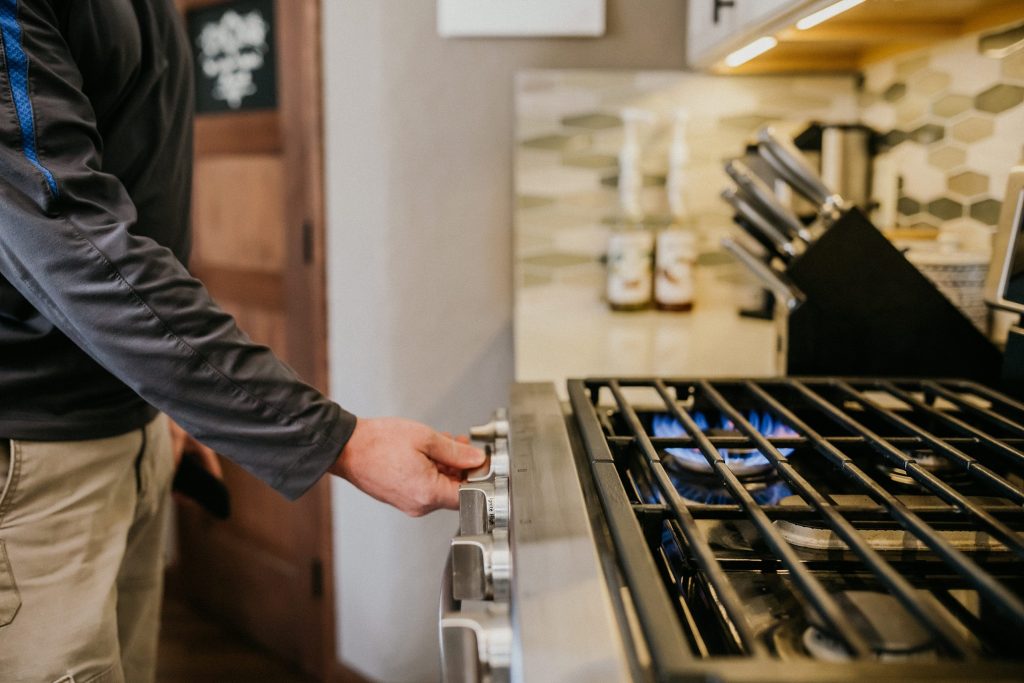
(676, 248)
(631, 244)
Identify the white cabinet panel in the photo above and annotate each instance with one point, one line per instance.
(717, 25)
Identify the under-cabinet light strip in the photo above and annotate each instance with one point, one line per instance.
(751, 50)
(827, 13)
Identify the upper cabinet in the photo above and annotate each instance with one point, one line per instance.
(773, 36)
(715, 25)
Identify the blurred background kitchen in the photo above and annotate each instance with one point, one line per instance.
(417, 203)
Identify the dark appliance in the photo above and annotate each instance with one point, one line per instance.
(1004, 289)
(722, 530)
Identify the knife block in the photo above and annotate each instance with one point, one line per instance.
(869, 311)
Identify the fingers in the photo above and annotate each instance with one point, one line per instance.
(454, 453)
(446, 490)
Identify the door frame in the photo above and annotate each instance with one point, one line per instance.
(295, 129)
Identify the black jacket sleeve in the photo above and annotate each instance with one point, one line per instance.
(67, 244)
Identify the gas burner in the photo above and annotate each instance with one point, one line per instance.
(889, 629)
(742, 461)
(929, 460)
(707, 491)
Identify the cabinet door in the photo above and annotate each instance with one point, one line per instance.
(716, 27)
(709, 24)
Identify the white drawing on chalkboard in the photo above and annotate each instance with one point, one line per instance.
(230, 50)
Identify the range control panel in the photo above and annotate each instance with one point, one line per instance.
(475, 628)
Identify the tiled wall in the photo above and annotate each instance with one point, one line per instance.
(953, 119)
(569, 132)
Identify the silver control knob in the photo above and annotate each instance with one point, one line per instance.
(484, 497)
(476, 646)
(495, 429)
(483, 506)
(481, 567)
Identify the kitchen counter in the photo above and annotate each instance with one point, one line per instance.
(565, 331)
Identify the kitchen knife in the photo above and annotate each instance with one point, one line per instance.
(760, 228)
(775, 282)
(792, 166)
(759, 196)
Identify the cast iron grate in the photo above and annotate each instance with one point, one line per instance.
(935, 461)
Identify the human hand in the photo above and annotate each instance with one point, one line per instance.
(182, 443)
(406, 464)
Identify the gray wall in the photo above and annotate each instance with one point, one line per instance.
(419, 189)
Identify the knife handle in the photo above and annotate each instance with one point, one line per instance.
(759, 226)
(785, 292)
(786, 160)
(757, 193)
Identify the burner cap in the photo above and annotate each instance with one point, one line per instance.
(879, 617)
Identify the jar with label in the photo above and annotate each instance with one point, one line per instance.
(676, 249)
(675, 254)
(630, 268)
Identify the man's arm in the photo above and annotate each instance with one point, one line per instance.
(67, 245)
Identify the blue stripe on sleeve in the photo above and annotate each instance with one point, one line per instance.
(16, 65)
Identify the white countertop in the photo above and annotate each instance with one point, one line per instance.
(566, 331)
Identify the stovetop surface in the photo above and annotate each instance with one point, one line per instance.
(814, 529)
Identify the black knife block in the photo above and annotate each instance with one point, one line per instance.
(870, 312)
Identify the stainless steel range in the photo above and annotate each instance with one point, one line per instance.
(742, 530)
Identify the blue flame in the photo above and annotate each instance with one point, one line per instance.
(664, 425)
(699, 493)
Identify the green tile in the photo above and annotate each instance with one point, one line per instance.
(947, 157)
(594, 121)
(946, 209)
(745, 121)
(910, 110)
(986, 211)
(715, 258)
(968, 183)
(650, 180)
(972, 129)
(533, 279)
(929, 82)
(907, 206)
(530, 201)
(894, 92)
(951, 105)
(999, 98)
(894, 137)
(557, 142)
(1013, 65)
(911, 66)
(557, 260)
(590, 160)
(927, 134)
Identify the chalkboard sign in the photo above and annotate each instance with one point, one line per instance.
(233, 47)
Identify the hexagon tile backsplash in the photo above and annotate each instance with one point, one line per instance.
(953, 121)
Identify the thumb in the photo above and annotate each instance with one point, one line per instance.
(448, 451)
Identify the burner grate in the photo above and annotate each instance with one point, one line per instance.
(959, 450)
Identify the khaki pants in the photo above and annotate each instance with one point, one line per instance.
(81, 538)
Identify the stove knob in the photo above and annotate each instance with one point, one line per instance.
(483, 505)
(495, 429)
(481, 567)
(476, 646)
(496, 465)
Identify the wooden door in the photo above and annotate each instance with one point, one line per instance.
(258, 246)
